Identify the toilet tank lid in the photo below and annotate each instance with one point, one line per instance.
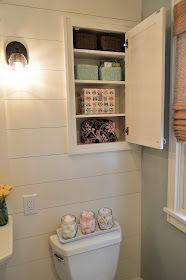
(87, 244)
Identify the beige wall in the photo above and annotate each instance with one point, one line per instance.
(120, 9)
(35, 147)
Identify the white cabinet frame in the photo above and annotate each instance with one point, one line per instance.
(152, 134)
(73, 147)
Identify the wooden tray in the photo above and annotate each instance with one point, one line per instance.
(79, 235)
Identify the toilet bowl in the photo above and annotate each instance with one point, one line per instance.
(91, 258)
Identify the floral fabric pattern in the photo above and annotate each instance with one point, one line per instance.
(98, 131)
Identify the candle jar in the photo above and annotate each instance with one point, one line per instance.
(105, 218)
(87, 222)
(68, 226)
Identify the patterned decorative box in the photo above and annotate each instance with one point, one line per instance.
(86, 72)
(97, 101)
(98, 131)
(110, 73)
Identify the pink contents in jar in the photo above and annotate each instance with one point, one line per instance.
(87, 222)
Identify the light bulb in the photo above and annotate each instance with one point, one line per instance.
(17, 61)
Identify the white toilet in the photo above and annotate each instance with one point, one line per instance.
(91, 258)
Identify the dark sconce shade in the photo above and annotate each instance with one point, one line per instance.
(16, 55)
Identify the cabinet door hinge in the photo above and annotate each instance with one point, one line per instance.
(127, 130)
(164, 141)
(126, 44)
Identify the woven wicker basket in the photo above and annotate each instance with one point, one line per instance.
(83, 40)
(111, 43)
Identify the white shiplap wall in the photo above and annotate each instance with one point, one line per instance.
(34, 151)
(120, 9)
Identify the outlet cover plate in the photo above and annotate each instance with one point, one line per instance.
(30, 204)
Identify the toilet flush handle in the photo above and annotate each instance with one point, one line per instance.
(60, 259)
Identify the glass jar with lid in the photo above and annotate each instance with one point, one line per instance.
(105, 218)
(87, 222)
(68, 226)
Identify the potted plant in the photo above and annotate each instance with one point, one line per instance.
(4, 192)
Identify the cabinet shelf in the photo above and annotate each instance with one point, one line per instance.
(102, 147)
(99, 82)
(96, 54)
(100, 116)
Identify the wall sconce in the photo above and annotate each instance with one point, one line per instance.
(16, 55)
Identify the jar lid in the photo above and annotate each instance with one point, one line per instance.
(105, 211)
(68, 219)
(87, 214)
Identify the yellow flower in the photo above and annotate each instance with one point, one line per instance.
(5, 190)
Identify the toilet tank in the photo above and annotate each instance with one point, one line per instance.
(91, 258)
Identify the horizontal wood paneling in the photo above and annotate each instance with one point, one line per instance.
(34, 170)
(35, 113)
(30, 23)
(128, 9)
(85, 189)
(2, 80)
(2, 53)
(26, 250)
(37, 84)
(43, 54)
(36, 142)
(44, 269)
(4, 170)
(36, 137)
(40, 269)
(126, 211)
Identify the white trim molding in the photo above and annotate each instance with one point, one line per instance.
(176, 215)
(176, 218)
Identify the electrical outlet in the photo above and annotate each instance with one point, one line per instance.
(30, 204)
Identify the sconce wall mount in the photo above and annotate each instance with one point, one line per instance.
(16, 54)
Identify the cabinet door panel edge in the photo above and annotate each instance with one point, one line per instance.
(145, 81)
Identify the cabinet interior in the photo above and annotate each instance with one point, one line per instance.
(97, 57)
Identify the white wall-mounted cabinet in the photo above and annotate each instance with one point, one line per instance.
(139, 113)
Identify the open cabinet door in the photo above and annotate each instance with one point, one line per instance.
(145, 78)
